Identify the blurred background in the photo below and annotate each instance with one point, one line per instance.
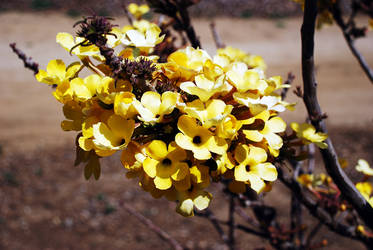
(45, 202)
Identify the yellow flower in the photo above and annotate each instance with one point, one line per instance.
(308, 134)
(229, 54)
(228, 127)
(306, 180)
(252, 101)
(199, 174)
(198, 139)
(108, 88)
(66, 40)
(223, 162)
(73, 113)
(125, 104)
(194, 197)
(143, 35)
(366, 189)
(253, 167)
(113, 136)
(210, 113)
(138, 10)
(154, 107)
(57, 72)
(263, 126)
(165, 164)
(190, 58)
(245, 79)
(84, 89)
(133, 156)
(203, 87)
(363, 166)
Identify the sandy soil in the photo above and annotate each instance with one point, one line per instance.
(46, 204)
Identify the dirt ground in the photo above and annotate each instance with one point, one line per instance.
(45, 203)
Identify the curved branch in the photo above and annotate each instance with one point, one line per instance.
(337, 15)
(315, 114)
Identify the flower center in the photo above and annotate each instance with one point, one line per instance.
(197, 139)
(247, 168)
(122, 142)
(166, 162)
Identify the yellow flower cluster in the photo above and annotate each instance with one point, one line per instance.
(190, 121)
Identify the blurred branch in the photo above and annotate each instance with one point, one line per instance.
(348, 30)
(312, 234)
(129, 16)
(217, 39)
(231, 223)
(150, 225)
(315, 114)
(27, 61)
(288, 81)
(178, 10)
(207, 214)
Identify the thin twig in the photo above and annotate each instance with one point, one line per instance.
(157, 230)
(218, 42)
(288, 81)
(246, 217)
(295, 207)
(312, 234)
(27, 61)
(129, 16)
(315, 114)
(337, 15)
(207, 214)
(231, 223)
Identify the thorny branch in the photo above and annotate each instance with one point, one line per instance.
(27, 61)
(315, 114)
(348, 33)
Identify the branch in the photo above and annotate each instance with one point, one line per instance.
(27, 61)
(315, 114)
(312, 234)
(178, 10)
(215, 222)
(147, 222)
(231, 223)
(188, 28)
(337, 15)
(217, 39)
(318, 212)
(289, 81)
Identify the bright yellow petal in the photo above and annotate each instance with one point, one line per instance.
(162, 183)
(157, 150)
(57, 68)
(150, 167)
